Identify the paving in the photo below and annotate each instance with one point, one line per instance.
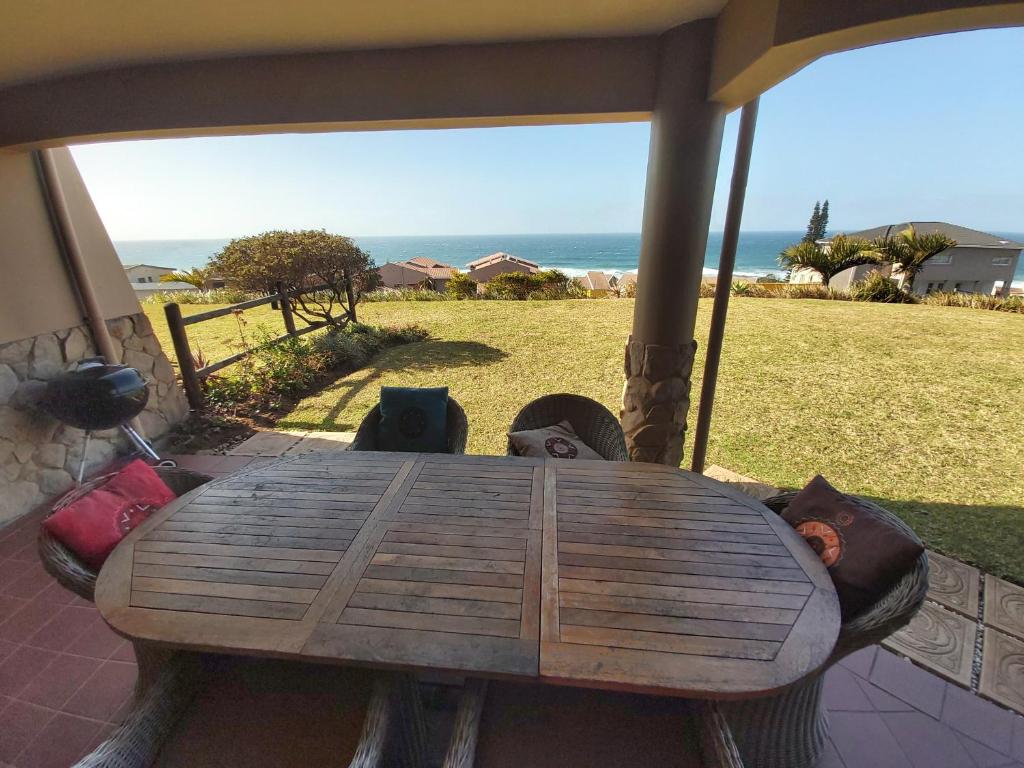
(66, 679)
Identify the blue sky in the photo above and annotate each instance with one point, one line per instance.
(922, 129)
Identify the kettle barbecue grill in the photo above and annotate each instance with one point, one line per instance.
(97, 395)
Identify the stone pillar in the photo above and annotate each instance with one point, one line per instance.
(686, 139)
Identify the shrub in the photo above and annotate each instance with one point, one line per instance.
(878, 287)
(707, 290)
(510, 285)
(215, 296)
(461, 286)
(404, 294)
(740, 288)
(975, 301)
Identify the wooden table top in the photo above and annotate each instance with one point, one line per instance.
(602, 574)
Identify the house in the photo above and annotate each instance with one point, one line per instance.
(417, 272)
(146, 273)
(483, 269)
(979, 263)
(145, 290)
(596, 284)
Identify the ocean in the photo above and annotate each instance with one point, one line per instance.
(573, 254)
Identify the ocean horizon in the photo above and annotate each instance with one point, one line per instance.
(574, 254)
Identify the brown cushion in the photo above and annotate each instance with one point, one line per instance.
(549, 726)
(558, 441)
(864, 553)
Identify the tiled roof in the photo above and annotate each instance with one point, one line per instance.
(501, 256)
(424, 262)
(962, 235)
(596, 281)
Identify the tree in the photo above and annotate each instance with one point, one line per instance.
(812, 224)
(461, 286)
(908, 251)
(197, 276)
(823, 221)
(300, 261)
(828, 261)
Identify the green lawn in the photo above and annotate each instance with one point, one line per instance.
(918, 407)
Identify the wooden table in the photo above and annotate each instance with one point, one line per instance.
(613, 575)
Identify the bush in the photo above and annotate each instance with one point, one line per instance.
(878, 287)
(740, 288)
(216, 296)
(543, 285)
(975, 301)
(461, 286)
(404, 294)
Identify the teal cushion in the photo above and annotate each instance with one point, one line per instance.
(413, 420)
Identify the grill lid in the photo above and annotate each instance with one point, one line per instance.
(96, 395)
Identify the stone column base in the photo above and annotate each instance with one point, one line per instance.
(656, 400)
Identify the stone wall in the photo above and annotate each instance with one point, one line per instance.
(39, 456)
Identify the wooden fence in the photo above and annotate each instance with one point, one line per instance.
(191, 377)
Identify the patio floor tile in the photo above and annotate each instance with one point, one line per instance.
(983, 756)
(830, 757)
(104, 693)
(939, 640)
(1002, 670)
(926, 743)
(317, 442)
(1017, 749)
(1004, 606)
(59, 680)
(979, 719)
(863, 741)
(63, 629)
(28, 620)
(61, 742)
(22, 722)
(98, 641)
(21, 667)
(267, 444)
(861, 662)
(882, 701)
(842, 692)
(953, 584)
(917, 687)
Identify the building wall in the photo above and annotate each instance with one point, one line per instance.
(483, 274)
(972, 269)
(845, 279)
(143, 273)
(397, 276)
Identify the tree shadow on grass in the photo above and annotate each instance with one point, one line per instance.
(423, 356)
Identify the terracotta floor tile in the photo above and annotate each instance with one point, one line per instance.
(21, 667)
(104, 693)
(926, 742)
(979, 719)
(63, 629)
(22, 722)
(916, 686)
(33, 580)
(27, 554)
(26, 622)
(6, 649)
(863, 741)
(124, 652)
(9, 569)
(55, 593)
(62, 742)
(98, 641)
(58, 682)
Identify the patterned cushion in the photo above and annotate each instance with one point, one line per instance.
(558, 441)
(864, 553)
(413, 420)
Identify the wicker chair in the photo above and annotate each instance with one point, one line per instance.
(543, 725)
(594, 423)
(788, 730)
(61, 563)
(207, 710)
(457, 430)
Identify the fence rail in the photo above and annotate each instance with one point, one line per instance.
(191, 377)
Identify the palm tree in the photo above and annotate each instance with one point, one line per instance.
(908, 251)
(828, 261)
(196, 276)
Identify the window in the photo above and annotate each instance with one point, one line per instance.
(1001, 261)
(946, 257)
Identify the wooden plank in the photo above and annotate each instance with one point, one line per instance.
(688, 555)
(438, 575)
(474, 486)
(692, 645)
(228, 575)
(740, 584)
(298, 507)
(435, 606)
(226, 550)
(241, 518)
(298, 485)
(237, 539)
(683, 609)
(669, 543)
(218, 605)
(656, 509)
(674, 625)
(234, 562)
(549, 620)
(677, 566)
(694, 521)
(279, 496)
(529, 627)
(489, 496)
(215, 589)
(448, 563)
(493, 541)
(630, 498)
(470, 523)
(436, 550)
(431, 589)
(692, 594)
(467, 625)
(602, 532)
(459, 510)
(249, 529)
(725, 511)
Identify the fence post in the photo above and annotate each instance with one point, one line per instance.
(286, 309)
(186, 366)
(351, 296)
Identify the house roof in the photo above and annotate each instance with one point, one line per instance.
(441, 273)
(963, 235)
(628, 278)
(423, 261)
(151, 266)
(46, 38)
(596, 281)
(483, 261)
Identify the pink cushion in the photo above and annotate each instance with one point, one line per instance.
(93, 525)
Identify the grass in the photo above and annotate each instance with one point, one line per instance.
(914, 406)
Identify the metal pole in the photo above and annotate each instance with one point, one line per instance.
(726, 265)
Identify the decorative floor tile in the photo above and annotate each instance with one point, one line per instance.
(267, 444)
(938, 640)
(1004, 606)
(1002, 670)
(953, 584)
